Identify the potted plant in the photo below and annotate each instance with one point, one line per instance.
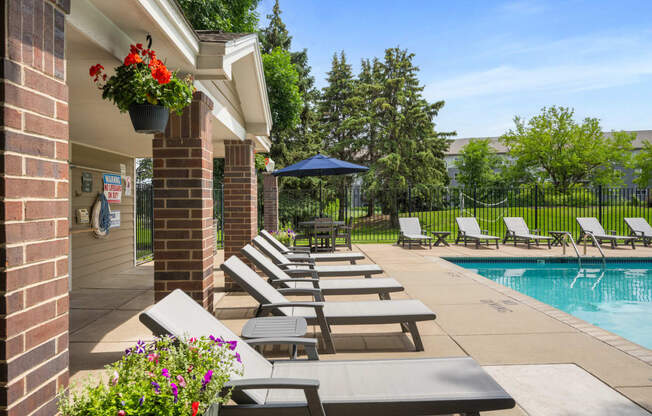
(285, 236)
(145, 88)
(164, 378)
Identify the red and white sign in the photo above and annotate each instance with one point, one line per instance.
(113, 188)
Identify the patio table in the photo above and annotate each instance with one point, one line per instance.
(558, 238)
(441, 237)
(278, 327)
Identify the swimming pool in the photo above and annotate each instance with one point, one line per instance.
(617, 298)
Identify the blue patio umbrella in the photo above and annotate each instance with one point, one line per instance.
(320, 165)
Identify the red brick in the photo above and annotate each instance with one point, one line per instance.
(26, 144)
(46, 331)
(63, 304)
(35, 210)
(29, 231)
(46, 169)
(61, 267)
(62, 111)
(46, 250)
(28, 100)
(11, 303)
(62, 342)
(62, 228)
(46, 291)
(62, 190)
(46, 85)
(26, 276)
(14, 256)
(12, 118)
(28, 30)
(14, 34)
(38, 34)
(35, 400)
(45, 126)
(17, 188)
(22, 321)
(13, 210)
(61, 151)
(48, 39)
(13, 165)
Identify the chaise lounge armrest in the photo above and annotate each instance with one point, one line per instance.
(310, 388)
(310, 265)
(314, 292)
(315, 282)
(318, 306)
(309, 344)
(299, 250)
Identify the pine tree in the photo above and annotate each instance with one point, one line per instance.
(339, 120)
(275, 35)
(412, 151)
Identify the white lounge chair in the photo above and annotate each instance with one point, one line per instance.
(406, 312)
(592, 225)
(410, 230)
(303, 253)
(409, 387)
(307, 268)
(382, 286)
(641, 229)
(468, 229)
(518, 230)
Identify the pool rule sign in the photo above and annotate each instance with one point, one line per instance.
(113, 188)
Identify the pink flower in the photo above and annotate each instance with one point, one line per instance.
(192, 340)
(181, 380)
(165, 373)
(190, 369)
(114, 379)
(153, 357)
(122, 413)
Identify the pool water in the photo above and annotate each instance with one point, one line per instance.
(617, 298)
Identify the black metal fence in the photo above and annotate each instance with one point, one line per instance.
(374, 214)
(144, 221)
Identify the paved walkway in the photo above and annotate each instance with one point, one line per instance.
(529, 351)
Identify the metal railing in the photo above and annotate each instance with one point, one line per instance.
(568, 237)
(596, 243)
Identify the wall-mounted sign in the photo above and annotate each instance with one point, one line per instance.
(115, 219)
(113, 188)
(127, 185)
(87, 182)
(82, 216)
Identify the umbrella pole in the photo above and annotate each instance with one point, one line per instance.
(321, 208)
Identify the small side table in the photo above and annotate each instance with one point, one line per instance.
(441, 237)
(280, 330)
(558, 238)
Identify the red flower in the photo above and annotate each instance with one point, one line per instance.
(160, 72)
(95, 70)
(195, 408)
(132, 58)
(135, 49)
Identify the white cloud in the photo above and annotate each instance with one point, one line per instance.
(556, 78)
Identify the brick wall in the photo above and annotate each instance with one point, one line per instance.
(183, 204)
(270, 203)
(34, 190)
(240, 199)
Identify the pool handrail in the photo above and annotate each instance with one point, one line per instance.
(597, 244)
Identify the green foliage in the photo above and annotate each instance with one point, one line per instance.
(407, 147)
(478, 165)
(165, 378)
(282, 89)
(224, 15)
(553, 147)
(144, 169)
(285, 236)
(275, 35)
(134, 84)
(643, 165)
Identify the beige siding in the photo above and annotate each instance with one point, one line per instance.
(91, 255)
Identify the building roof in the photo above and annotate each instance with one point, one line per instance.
(216, 36)
(456, 145)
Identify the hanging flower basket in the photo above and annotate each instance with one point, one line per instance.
(145, 87)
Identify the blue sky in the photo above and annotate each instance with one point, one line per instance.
(492, 60)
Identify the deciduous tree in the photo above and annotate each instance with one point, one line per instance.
(224, 15)
(478, 165)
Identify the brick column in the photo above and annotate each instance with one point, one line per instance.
(183, 204)
(240, 199)
(270, 202)
(34, 206)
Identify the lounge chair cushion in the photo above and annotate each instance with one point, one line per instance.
(379, 381)
(327, 256)
(411, 229)
(639, 225)
(592, 225)
(471, 228)
(370, 312)
(343, 270)
(351, 286)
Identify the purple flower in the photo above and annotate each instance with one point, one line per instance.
(232, 344)
(141, 401)
(157, 388)
(237, 357)
(128, 351)
(175, 391)
(207, 379)
(165, 373)
(216, 339)
(140, 347)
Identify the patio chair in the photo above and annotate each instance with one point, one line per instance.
(468, 229)
(382, 286)
(323, 235)
(406, 312)
(343, 234)
(408, 387)
(517, 230)
(307, 268)
(304, 253)
(640, 229)
(592, 225)
(410, 231)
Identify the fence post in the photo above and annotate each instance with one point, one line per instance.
(409, 199)
(600, 203)
(151, 218)
(536, 206)
(475, 203)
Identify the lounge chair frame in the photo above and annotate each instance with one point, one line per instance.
(303, 253)
(517, 230)
(410, 231)
(641, 229)
(470, 231)
(591, 225)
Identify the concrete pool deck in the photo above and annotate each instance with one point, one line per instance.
(502, 329)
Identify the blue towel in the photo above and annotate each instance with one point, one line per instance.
(105, 214)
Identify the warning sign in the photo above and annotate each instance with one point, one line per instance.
(113, 188)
